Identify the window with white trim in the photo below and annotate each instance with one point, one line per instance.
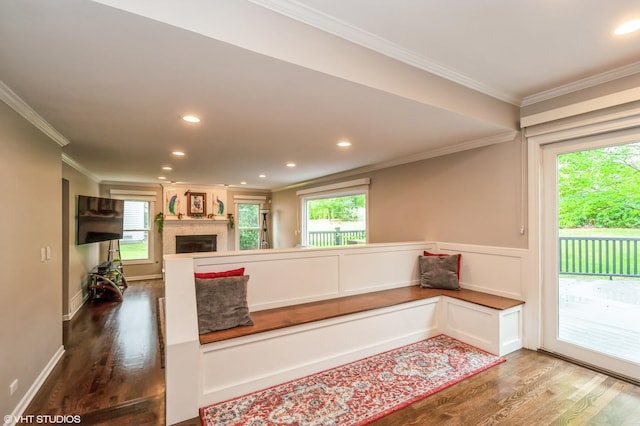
(248, 227)
(335, 215)
(137, 226)
(137, 243)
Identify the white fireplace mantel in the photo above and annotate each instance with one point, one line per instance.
(189, 226)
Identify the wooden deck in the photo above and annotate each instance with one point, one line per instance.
(602, 315)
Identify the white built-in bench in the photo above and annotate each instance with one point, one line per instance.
(318, 308)
(293, 315)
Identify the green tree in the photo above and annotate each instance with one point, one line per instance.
(341, 208)
(600, 188)
(248, 222)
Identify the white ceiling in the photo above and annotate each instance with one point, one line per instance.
(277, 81)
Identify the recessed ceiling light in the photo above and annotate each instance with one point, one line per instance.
(262, 176)
(167, 168)
(178, 153)
(343, 144)
(291, 164)
(627, 27)
(191, 118)
(161, 177)
(243, 183)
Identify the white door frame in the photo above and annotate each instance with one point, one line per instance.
(543, 244)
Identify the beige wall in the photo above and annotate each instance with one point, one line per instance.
(140, 270)
(471, 197)
(285, 208)
(30, 290)
(82, 258)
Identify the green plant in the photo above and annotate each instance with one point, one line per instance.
(159, 220)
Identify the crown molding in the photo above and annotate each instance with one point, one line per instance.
(72, 163)
(509, 136)
(451, 149)
(322, 21)
(582, 84)
(10, 98)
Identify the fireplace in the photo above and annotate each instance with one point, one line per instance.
(196, 243)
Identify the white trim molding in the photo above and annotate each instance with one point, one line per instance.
(72, 163)
(509, 136)
(145, 277)
(10, 98)
(250, 199)
(33, 389)
(129, 194)
(330, 24)
(335, 186)
(582, 84)
(77, 301)
(595, 104)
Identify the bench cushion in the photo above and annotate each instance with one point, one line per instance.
(222, 303)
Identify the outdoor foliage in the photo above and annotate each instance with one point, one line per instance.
(249, 217)
(600, 188)
(249, 239)
(341, 208)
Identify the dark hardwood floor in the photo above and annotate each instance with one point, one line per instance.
(111, 375)
(110, 372)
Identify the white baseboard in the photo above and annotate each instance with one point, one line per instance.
(75, 304)
(144, 277)
(12, 419)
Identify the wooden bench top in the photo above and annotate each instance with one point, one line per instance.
(287, 316)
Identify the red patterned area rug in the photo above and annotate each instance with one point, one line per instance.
(359, 392)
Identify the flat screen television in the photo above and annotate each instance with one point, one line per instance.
(99, 219)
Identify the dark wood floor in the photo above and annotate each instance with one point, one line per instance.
(111, 375)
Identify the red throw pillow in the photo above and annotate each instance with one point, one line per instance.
(426, 253)
(232, 273)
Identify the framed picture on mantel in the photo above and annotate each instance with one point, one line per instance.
(196, 204)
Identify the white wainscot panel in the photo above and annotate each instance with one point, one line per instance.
(495, 331)
(297, 281)
(254, 362)
(489, 269)
(511, 329)
(471, 323)
(378, 270)
(276, 282)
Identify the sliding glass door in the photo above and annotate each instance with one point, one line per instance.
(591, 251)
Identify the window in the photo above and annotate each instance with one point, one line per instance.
(335, 215)
(248, 226)
(136, 241)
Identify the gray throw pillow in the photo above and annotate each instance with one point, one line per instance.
(222, 303)
(439, 272)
